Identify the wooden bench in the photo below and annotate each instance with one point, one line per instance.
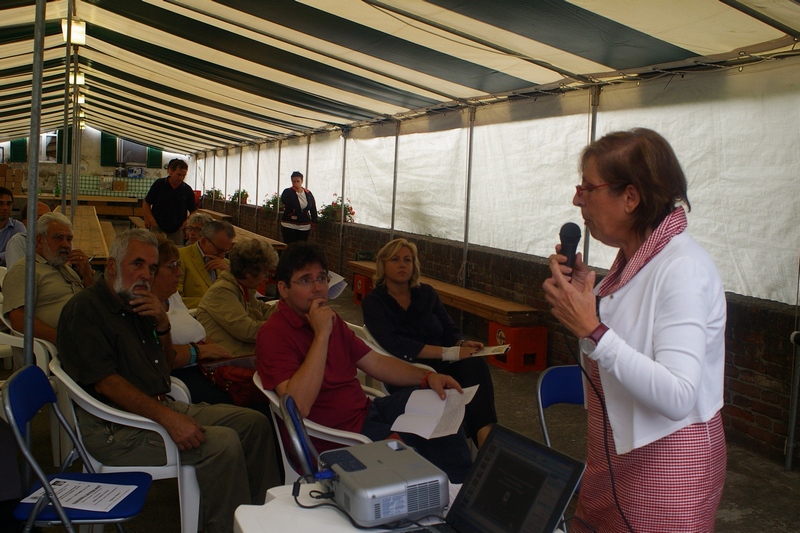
(137, 222)
(483, 305)
(109, 233)
(216, 215)
(242, 233)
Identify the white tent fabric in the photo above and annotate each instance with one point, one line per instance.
(734, 132)
(255, 90)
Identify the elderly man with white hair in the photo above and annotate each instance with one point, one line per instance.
(114, 340)
(60, 272)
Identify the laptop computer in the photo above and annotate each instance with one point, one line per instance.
(515, 485)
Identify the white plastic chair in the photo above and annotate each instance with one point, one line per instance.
(363, 333)
(188, 489)
(345, 438)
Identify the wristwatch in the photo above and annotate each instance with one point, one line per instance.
(588, 344)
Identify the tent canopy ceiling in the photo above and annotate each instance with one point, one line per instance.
(195, 75)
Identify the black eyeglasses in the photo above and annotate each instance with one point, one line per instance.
(220, 249)
(310, 281)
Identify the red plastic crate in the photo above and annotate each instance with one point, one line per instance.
(362, 285)
(528, 351)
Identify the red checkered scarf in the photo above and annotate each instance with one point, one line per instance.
(621, 273)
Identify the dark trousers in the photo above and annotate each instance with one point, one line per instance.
(449, 453)
(468, 372)
(291, 235)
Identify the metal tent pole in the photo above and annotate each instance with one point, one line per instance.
(394, 177)
(33, 173)
(795, 385)
(595, 102)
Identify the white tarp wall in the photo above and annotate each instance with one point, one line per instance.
(735, 133)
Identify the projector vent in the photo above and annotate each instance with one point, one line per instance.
(377, 508)
(423, 496)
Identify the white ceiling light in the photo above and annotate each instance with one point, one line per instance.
(78, 31)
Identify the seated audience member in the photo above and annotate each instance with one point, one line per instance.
(194, 225)
(114, 340)
(8, 226)
(59, 273)
(305, 349)
(16, 247)
(230, 312)
(408, 319)
(188, 335)
(203, 261)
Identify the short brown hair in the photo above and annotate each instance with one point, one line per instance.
(252, 256)
(644, 159)
(166, 249)
(387, 252)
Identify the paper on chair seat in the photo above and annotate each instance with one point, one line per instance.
(430, 417)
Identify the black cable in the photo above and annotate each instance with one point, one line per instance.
(605, 428)
(319, 495)
(579, 519)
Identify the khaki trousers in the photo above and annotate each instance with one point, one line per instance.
(235, 465)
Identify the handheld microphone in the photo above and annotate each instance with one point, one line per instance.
(570, 237)
(794, 338)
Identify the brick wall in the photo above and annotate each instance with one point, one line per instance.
(758, 370)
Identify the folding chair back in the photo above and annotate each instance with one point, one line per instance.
(558, 384)
(24, 394)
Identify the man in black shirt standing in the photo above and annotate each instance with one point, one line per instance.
(169, 202)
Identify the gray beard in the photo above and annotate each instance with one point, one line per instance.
(127, 293)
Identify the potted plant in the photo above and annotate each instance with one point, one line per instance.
(271, 203)
(333, 211)
(214, 194)
(239, 196)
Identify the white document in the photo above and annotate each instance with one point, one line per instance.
(85, 495)
(430, 417)
(492, 350)
(336, 285)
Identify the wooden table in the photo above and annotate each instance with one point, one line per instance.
(245, 234)
(104, 205)
(216, 215)
(88, 233)
(490, 307)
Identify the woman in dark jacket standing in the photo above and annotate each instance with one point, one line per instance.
(299, 211)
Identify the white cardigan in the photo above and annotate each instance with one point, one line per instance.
(662, 362)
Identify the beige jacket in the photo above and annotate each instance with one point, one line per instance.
(230, 320)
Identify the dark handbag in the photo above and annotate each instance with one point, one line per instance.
(235, 376)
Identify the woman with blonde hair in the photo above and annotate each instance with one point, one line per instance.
(408, 319)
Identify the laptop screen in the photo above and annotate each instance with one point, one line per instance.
(516, 484)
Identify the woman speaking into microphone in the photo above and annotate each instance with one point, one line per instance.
(653, 346)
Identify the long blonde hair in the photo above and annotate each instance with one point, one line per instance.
(387, 252)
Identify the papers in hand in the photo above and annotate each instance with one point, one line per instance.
(430, 417)
(492, 350)
(85, 495)
(336, 285)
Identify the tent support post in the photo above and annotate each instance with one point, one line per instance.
(345, 132)
(278, 188)
(33, 175)
(471, 136)
(595, 103)
(394, 177)
(795, 385)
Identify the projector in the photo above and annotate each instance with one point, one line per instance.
(385, 481)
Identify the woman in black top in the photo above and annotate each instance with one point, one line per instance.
(408, 319)
(299, 211)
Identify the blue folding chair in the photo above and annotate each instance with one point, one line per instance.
(558, 384)
(24, 394)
